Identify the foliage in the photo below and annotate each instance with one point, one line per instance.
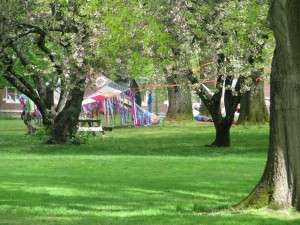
(78, 139)
(238, 32)
(44, 38)
(3, 83)
(138, 34)
(190, 34)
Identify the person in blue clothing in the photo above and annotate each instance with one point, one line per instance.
(150, 101)
(199, 117)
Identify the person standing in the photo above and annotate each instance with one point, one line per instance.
(29, 111)
(150, 102)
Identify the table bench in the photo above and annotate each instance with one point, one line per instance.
(93, 126)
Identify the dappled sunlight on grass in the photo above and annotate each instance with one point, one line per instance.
(49, 190)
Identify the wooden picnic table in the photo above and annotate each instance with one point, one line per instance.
(93, 125)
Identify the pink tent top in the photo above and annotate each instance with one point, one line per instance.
(98, 98)
(104, 92)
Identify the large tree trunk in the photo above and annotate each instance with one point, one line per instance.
(180, 100)
(279, 186)
(253, 108)
(65, 123)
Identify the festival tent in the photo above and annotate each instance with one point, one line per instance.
(109, 98)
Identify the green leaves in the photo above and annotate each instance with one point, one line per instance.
(130, 35)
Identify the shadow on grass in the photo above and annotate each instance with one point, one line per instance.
(35, 208)
(69, 201)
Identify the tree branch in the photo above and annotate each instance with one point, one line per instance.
(23, 58)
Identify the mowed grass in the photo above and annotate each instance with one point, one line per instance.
(151, 175)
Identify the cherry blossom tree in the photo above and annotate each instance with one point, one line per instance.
(231, 39)
(45, 50)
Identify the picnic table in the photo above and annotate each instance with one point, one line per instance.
(90, 125)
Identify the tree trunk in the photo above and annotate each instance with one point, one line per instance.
(180, 101)
(253, 108)
(213, 104)
(279, 186)
(223, 124)
(222, 133)
(65, 123)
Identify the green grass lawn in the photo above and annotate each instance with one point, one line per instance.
(152, 175)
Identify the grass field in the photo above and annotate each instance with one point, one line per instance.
(152, 175)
